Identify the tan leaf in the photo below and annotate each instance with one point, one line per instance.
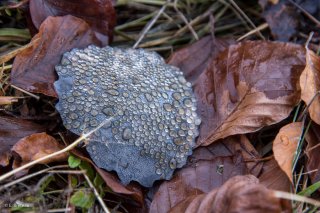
(310, 85)
(36, 146)
(285, 145)
(248, 86)
(33, 68)
(238, 194)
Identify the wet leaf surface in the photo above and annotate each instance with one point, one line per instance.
(35, 146)
(310, 87)
(238, 194)
(208, 168)
(33, 68)
(248, 86)
(285, 145)
(99, 14)
(11, 131)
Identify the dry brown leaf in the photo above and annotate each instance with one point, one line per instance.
(248, 86)
(208, 168)
(11, 131)
(33, 68)
(285, 145)
(310, 85)
(313, 149)
(273, 177)
(35, 146)
(193, 59)
(99, 14)
(238, 194)
(112, 181)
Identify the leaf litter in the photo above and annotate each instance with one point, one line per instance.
(240, 88)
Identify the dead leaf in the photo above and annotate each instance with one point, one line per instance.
(208, 168)
(313, 149)
(282, 19)
(35, 146)
(248, 86)
(112, 181)
(310, 86)
(11, 131)
(99, 14)
(33, 68)
(285, 145)
(273, 177)
(238, 194)
(193, 59)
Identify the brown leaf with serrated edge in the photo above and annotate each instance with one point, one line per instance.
(285, 145)
(99, 14)
(310, 85)
(33, 68)
(35, 146)
(313, 149)
(273, 177)
(238, 194)
(112, 181)
(248, 86)
(193, 59)
(11, 131)
(208, 168)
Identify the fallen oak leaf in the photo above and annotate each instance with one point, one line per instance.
(238, 194)
(33, 68)
(310, 87)
(285, 145)
(248, 86)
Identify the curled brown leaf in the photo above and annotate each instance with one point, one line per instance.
(11, 131)
(35, 146)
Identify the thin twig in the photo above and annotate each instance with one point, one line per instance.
(312, 18)
(259, 28)
(184, 19)
(150, 24)
(26, 92)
